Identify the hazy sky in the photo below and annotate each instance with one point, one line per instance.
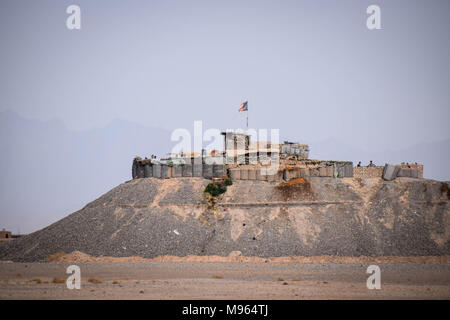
(310, 68)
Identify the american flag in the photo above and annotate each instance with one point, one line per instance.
(243, 106)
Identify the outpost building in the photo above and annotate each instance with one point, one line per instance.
(244, 159)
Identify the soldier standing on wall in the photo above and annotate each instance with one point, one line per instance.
(359, 164)
(371, 164)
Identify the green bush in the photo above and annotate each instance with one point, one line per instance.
(228, 182)
(215, 189)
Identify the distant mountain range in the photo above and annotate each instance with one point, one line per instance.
(48, 171)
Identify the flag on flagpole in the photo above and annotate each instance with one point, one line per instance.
(243, 106)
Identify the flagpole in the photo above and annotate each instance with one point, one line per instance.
(247, 118)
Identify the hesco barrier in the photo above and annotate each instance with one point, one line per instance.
(197, 170)
(323, 171)
(368, 172)
(411, 173)
(187, 170)
(260, 175)
(148, 172)
(314, 172)
(277, 177)
(156, 170)
(207, 171)
(134, 169)
(145, 169)
(235, 174)
(165, 171)
(252, 174)
(289, 174)
(140, 171)
(330, 171)
(177, 171)
(218, 170)
(304, 172)
(390, 172)
(341, 172)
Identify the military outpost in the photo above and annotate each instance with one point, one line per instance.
(244, 159)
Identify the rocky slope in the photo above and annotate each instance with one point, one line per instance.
(321, 216)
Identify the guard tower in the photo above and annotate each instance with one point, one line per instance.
(236, 146)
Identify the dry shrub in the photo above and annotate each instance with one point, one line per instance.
(115, 282)
(445, 188)
(296, 279)
(280, 279)
(217, 276)
(37, 280)
(294, 182)
(54, 257)
(93, 280)
(58, 280)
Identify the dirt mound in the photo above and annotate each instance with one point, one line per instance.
(346, 217)
(80, 257)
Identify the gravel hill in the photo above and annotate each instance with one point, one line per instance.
(322, 216)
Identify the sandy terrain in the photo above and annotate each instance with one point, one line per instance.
(235, 256)
(226, 280)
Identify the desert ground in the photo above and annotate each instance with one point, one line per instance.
(225, 280)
